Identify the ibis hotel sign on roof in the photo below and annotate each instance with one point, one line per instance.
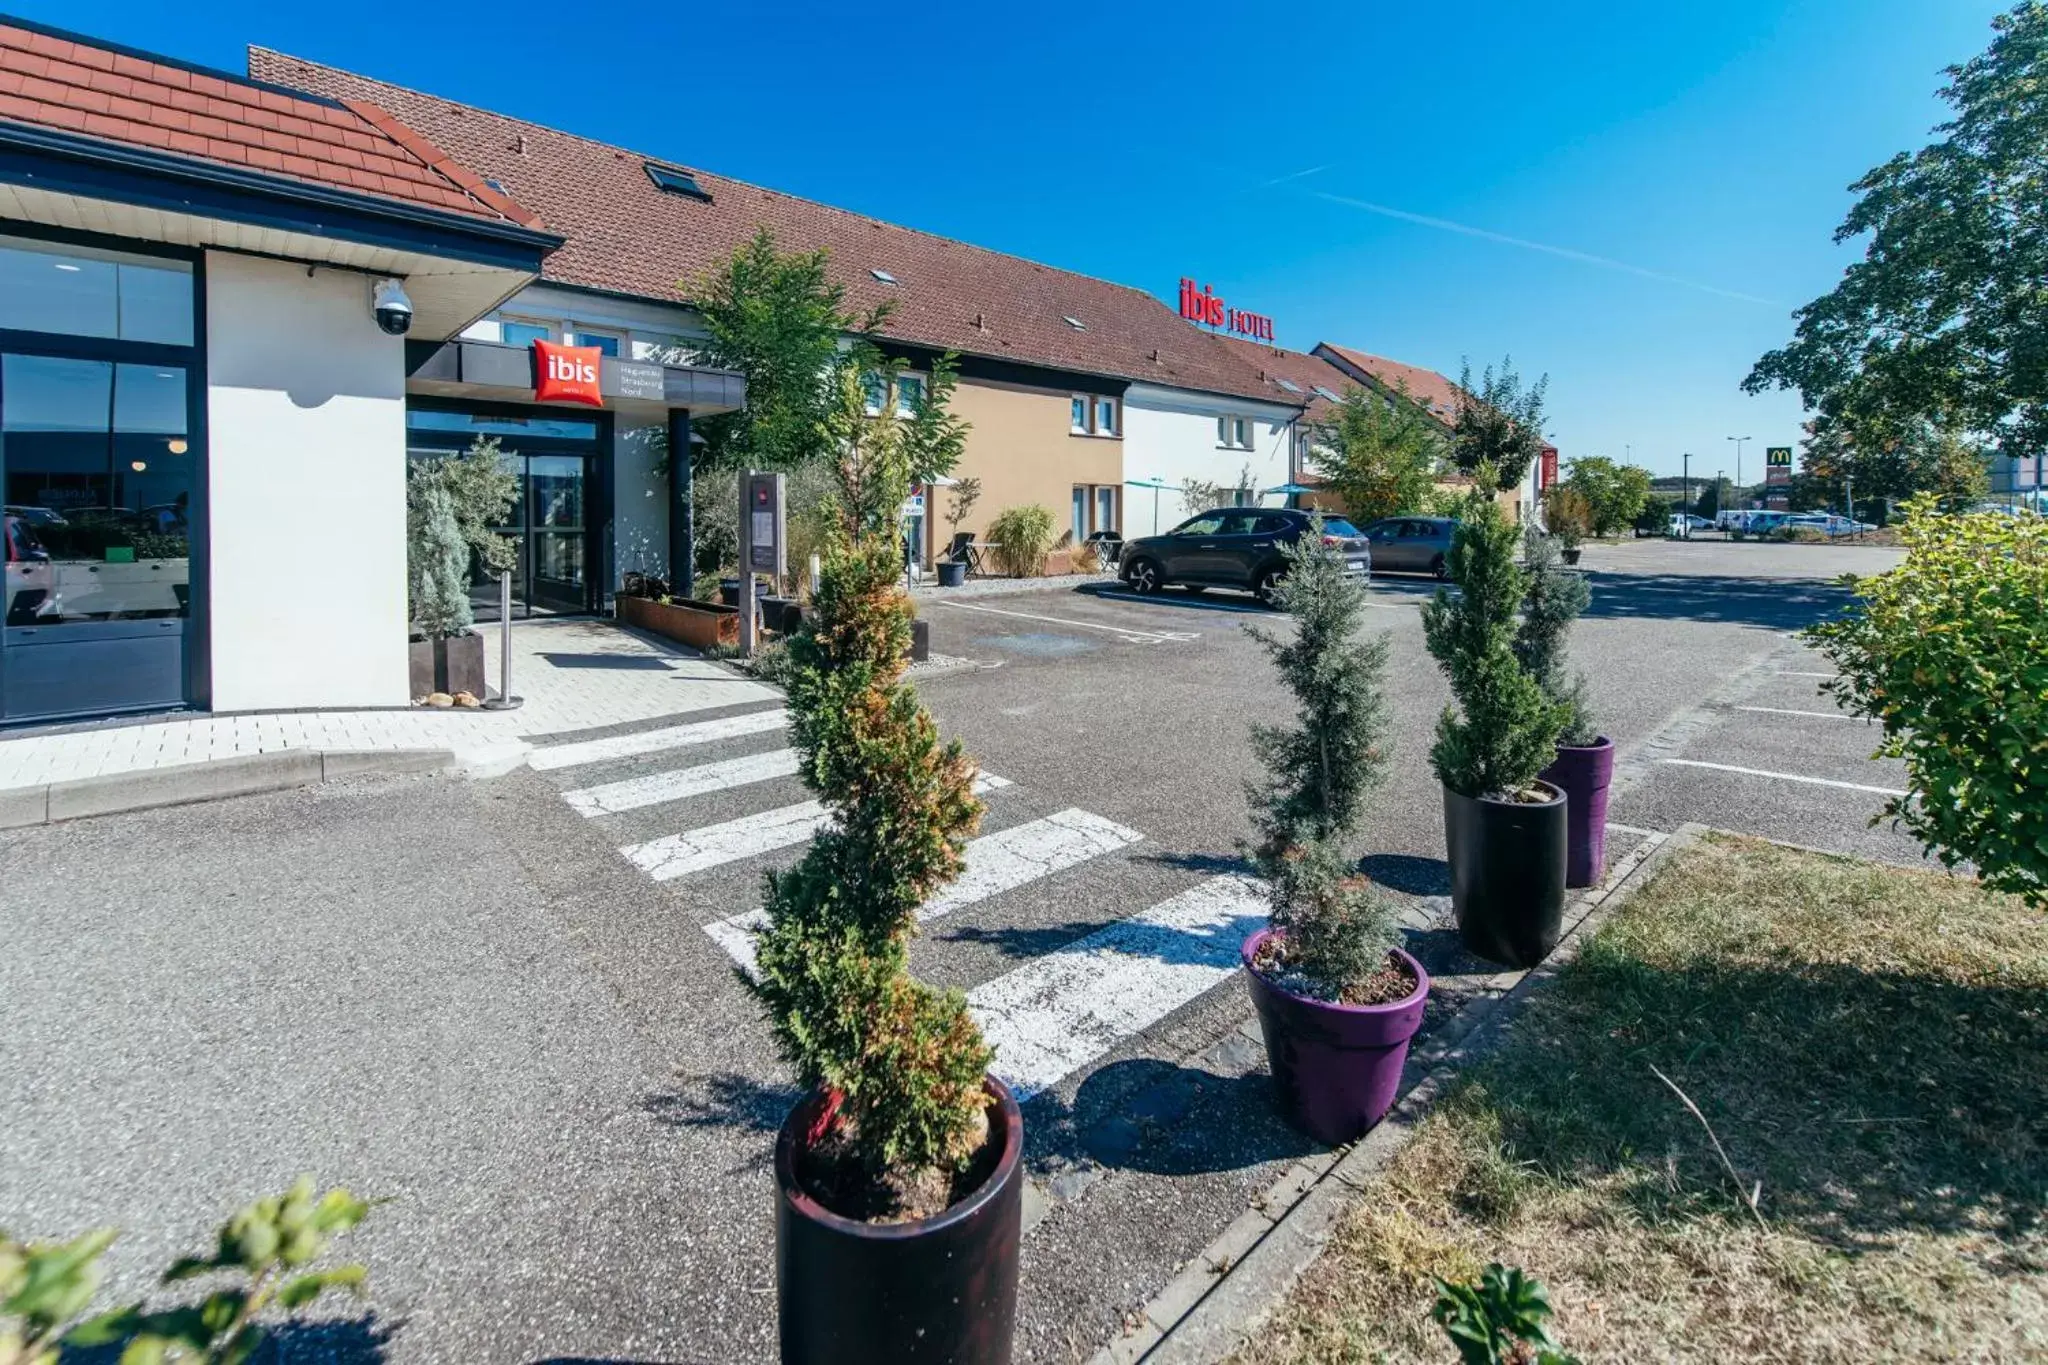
(1205, 306)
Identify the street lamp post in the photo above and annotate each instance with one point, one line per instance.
(1740, 441)
(1685, 503)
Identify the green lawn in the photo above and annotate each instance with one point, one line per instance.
(1870, 1043)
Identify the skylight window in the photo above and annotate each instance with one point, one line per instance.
(884, 276)
(1327, 394)
(669, 180)
(1074, 322)
(1289, 385)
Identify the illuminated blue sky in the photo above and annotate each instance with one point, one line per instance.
(1629, 198)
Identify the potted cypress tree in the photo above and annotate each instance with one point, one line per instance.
(1584, 767)
(1504, 830)
(451, 503)
(899, 1184)
(1337, 1000)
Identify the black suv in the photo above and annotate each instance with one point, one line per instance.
(1233, 547)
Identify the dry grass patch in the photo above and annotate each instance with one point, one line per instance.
(1870, 1043)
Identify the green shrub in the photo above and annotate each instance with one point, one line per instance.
(451, 504)
(46, 1287)
(1319, 771)
(1021, 536)
(901, 1063)
(1557, 597)
(1568, 514)
(1502, 729)
(1949, 652)
(1502, 1320)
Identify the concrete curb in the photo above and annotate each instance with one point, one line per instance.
(52, 802)
(1222, 1296)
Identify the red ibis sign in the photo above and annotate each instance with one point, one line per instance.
(1206, 306)
(566, 374)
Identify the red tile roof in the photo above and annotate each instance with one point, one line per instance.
(626, 236)
(76, 86)
(1305, 371)
(1425, 386)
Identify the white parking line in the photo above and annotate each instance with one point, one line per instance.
(1131, 633)
(653, 741)
(1789, 673)
(1054, 1015)
(1783, 777)
(995, 863)
(655, 788)
(1789, 711)
(677, 855)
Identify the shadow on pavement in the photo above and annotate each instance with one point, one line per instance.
(1020, 941)
(630, 663)
(1162, 1118)
(344, 1341)
(1774, 604)
(1407, 873)
(723, 1100)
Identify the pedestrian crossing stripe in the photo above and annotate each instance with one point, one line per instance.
(655, 741)
(678, 855)
(1055, 1014)
(614, 798)
(995, 863)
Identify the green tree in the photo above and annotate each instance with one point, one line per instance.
(901, 1063)
(1614, 492)
(1498, 422)
(777, 318)
(1944, 319)
(1335, 929)
(1557, 597)
(1502, 729)
(452, 502)
(1568, 514)
(1379, 453)
(1888, 466)
(1949, 653)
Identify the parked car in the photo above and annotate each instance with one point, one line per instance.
(1233, 547)
(1684, 523)
(1412, 544)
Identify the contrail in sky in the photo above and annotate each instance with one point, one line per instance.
(1293, 175)
(1583, 257)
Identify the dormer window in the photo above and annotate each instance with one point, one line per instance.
(884, 276)
(1074, 323)
(670, 180)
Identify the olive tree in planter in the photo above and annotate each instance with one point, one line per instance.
(1584, 766)
(899, 1184)
(452, 502)
(1503, 829)
(1338, 1000)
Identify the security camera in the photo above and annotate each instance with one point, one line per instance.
(392, 307)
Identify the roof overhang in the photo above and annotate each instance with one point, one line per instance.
(489, 370)
(456, 268)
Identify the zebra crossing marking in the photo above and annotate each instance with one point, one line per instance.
(654, 741)
(613, 798)
(995, 863)
(677, 855)
(1052, 1016)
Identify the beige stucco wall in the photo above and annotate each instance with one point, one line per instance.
(1023, 452)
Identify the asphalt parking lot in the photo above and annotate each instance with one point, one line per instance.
(509, 1006)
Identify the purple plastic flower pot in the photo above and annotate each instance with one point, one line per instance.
(1336, 1067)
(1583, 774)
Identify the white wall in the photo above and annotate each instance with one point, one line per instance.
(1170, 435)
(306, 489)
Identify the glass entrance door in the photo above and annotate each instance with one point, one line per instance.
(552, 457)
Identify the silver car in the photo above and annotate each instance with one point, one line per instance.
(1412, 544)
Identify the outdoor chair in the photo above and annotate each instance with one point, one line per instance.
(962, 551)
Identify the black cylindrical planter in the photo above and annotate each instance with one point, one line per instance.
(1507, 874)
(942, 1289)
(952, 573)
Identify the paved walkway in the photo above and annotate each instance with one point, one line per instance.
(573, 675)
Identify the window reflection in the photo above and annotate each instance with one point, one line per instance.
(97, 469)
(83, 291)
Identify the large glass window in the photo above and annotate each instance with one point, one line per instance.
(98, 479)
(84, 291)
(524, 333)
